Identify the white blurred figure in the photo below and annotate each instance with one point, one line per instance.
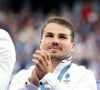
(7, 58)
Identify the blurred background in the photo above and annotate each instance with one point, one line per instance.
(23, 20)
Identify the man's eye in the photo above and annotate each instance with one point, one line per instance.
(63, 37)
(49, 35)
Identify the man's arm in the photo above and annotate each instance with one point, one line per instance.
(50, 81)
(20, 81)
(27, 79)
(7, 58)
(85, 82)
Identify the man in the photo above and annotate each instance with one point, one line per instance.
(53, 68)
(7, 58)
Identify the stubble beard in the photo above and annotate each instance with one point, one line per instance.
(57, 57)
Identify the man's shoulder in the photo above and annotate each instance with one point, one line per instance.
(5, 37)
(82, 70)
(24, 72)
(80, 74)
(3, 33)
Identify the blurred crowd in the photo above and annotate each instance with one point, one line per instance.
(24, 27)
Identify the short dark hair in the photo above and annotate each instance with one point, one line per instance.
(60, 21)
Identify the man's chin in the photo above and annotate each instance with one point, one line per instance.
(55, 55)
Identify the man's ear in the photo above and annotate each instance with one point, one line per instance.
(73, 47)
(40, 43)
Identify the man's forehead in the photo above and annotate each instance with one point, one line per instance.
(57, 31)
(54, 25)
(51, 33)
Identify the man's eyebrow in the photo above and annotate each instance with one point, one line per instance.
(49, 33)
(59, 33)
(62, 34)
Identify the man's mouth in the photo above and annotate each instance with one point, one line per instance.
(54, 49)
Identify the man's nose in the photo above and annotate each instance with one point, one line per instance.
(55, 40)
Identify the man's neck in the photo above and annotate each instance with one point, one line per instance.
(54, 64)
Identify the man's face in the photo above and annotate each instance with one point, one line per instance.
(57, 41)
